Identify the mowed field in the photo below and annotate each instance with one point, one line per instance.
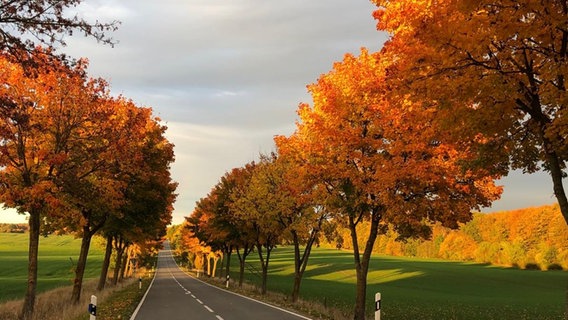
(414, 288)
(57, 258)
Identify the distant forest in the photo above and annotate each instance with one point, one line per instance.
(13, 228)
(530, 238)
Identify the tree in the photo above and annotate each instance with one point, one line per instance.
(25, 25)
(243, 236)
(106, 263)
(110, 153)
(495, 71)
(40, 111)
(295, 195)
(210, 221)
(216, 222)
(381, 160)
(148, 194)
(257, 207)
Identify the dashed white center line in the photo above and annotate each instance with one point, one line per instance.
(194, 297)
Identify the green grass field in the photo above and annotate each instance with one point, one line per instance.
(410, 288)
(57, 258)
(422, 288)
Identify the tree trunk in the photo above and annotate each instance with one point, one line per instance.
(215, 260)
(33, 249)
(559, 191)
(205, 264)
(228, 265)
(129, 264)
(81, 264)
(298, 272)
(264, 261)
(119, 247)
(264, 275)
(362, 262)
(241, 268)
(301, 262)
(124, 263)
(209, 265)
(106, 264)
(242, 262)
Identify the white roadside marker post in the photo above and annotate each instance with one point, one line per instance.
(140, 283)
(93, 308)
(378, 306)
(227, 285)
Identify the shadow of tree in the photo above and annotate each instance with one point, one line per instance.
(423, 288)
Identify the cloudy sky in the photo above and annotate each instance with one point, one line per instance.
(225, 76)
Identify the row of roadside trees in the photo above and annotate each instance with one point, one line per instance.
(74, 158)
(403, 138)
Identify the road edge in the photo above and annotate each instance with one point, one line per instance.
(133, 316)
(242, 296)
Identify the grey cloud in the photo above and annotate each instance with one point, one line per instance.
(236, 67)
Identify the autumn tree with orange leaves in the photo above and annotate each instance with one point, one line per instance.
(67, 152)
(256, 205)
(298, 200)
(494, 71)
(381, 160)
(216, 221)
(147, 188)
(41, 110)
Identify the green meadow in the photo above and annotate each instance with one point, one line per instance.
(414, 288)
(411, 288)
(57, 259)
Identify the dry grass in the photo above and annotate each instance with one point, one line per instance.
(55, 304)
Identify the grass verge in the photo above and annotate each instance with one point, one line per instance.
(312, 309)
(116, 302)
(121, 303)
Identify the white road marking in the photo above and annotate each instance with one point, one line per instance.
(211, 310)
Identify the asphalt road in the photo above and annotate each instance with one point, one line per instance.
(175, 295)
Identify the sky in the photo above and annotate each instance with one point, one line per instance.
(226, 76)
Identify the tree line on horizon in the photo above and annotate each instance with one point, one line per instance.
(407, 138)
(528, 238)
(73, 157)
(14, 227)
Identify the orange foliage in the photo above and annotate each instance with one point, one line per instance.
(520, 237)
(380, 158)
(495, 71)
(68, 151)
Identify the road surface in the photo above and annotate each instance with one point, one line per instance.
(175, 295)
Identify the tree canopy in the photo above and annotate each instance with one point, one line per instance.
(494, 71)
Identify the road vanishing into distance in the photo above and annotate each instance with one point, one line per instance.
(175, 295)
